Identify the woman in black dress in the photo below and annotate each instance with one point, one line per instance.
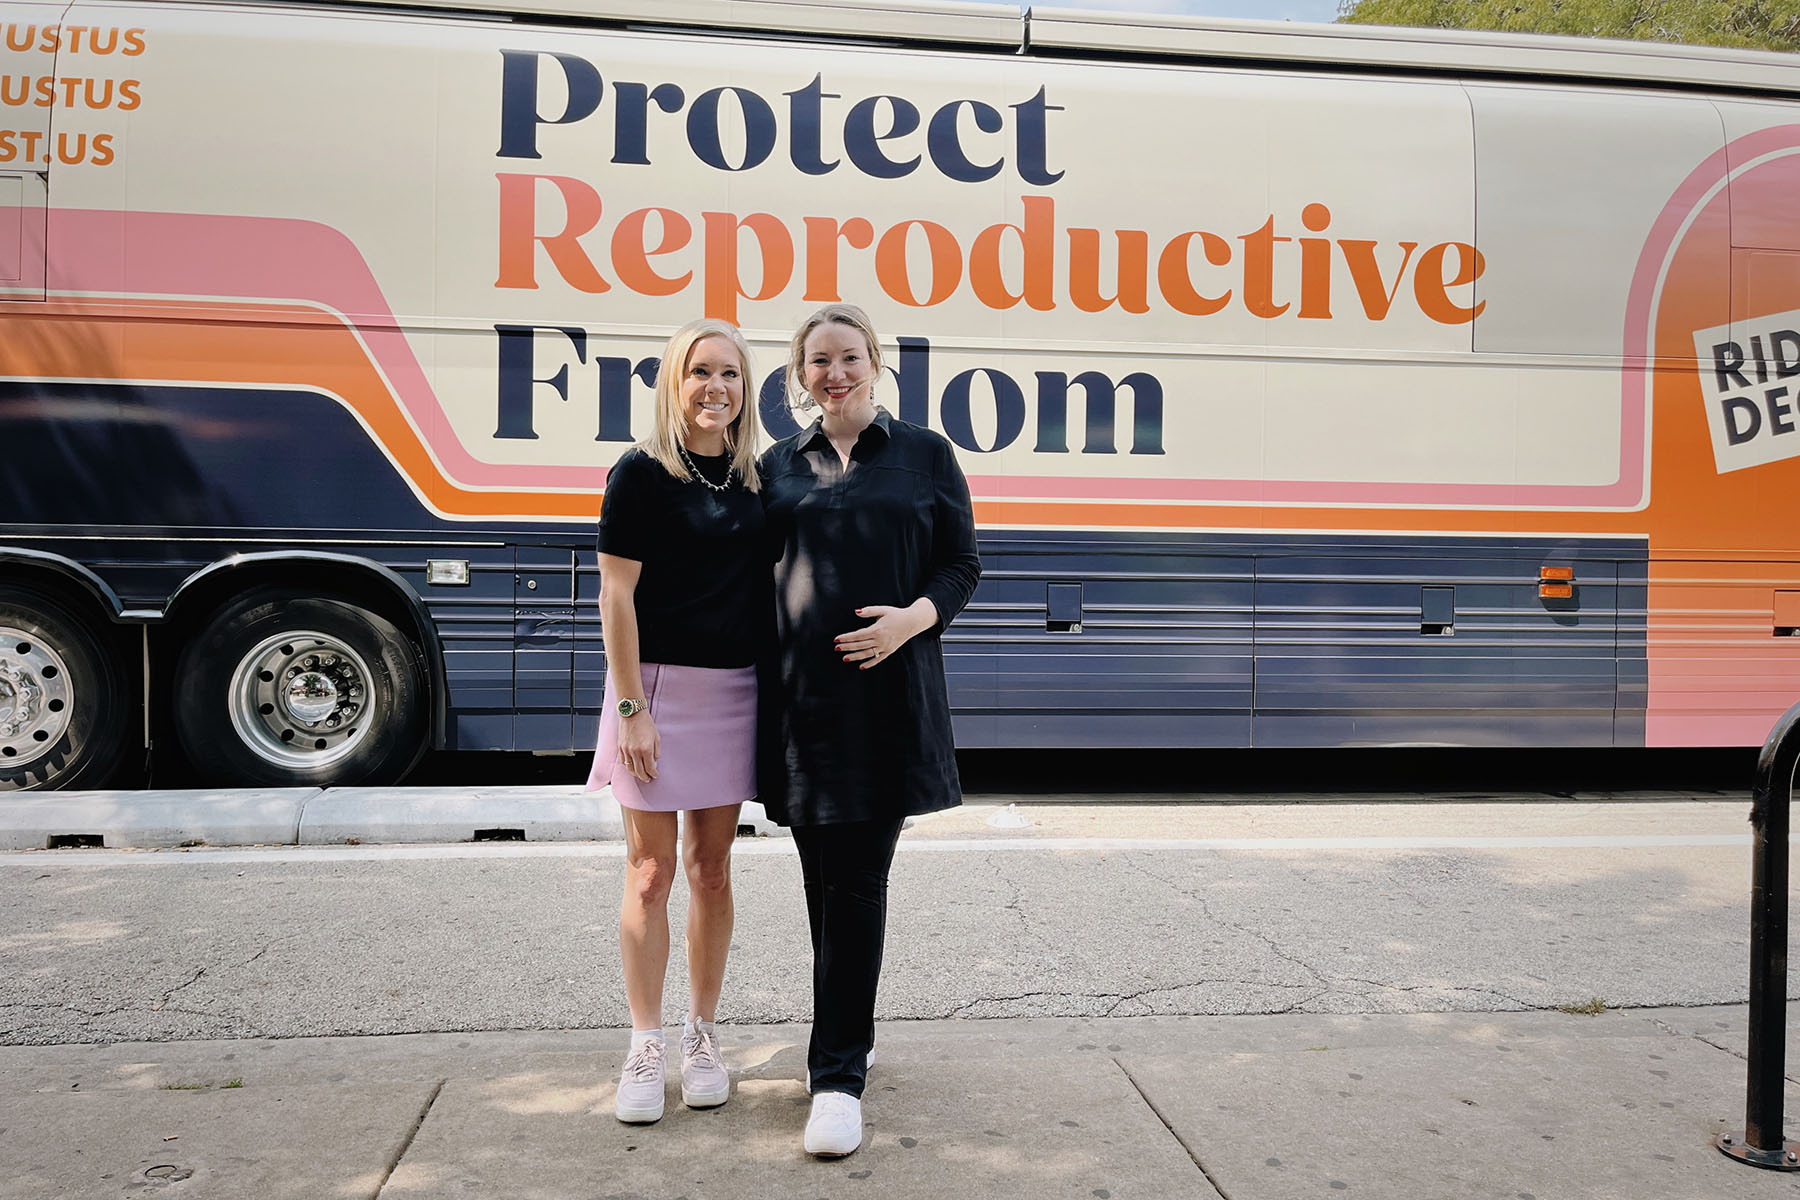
(877, 555)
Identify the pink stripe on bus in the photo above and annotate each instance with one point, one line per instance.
(275, 259)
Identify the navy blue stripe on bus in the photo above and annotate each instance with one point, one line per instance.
(1116, 639)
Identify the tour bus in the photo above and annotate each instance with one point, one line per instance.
(1315, 385)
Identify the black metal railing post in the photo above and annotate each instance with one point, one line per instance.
(1760, 1143)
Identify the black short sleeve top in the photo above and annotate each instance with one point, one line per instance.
(703, 596)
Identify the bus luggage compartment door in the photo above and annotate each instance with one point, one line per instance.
(1120, 641)
(543, 648)
(1443, 645)
(589, 682)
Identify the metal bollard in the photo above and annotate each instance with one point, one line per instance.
(1760, 1144)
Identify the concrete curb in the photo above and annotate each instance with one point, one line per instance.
(150, 820)
(160, 820)
(754, 815)
(534, 814)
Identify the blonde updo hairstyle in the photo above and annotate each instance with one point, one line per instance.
(831, 314)
(669, 428)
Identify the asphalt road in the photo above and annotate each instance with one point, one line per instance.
(1127, 909)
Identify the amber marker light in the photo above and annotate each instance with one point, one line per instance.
(1556, 583)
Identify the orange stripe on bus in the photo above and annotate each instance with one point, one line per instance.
(283, 346)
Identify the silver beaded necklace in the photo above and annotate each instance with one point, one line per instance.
(695, 471)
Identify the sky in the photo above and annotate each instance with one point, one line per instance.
(1269, 10)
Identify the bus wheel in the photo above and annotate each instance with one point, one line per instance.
(64, 707)
(281, 690)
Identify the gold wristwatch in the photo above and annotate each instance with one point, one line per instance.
(631, 708)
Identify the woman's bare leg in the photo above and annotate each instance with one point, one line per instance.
(707, 838)
(644, 912)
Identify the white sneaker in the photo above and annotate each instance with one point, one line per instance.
(867, 1063)
(640, 1098)
(704, 1083)
(835, 1127)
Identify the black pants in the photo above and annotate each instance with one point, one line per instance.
(846, 872)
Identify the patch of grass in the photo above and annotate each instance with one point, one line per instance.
(1593, 1008)
(1311, 1048)
(184, 1087)
(232, 1083)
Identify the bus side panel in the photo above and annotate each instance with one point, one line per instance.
(1724, 658)
(1439, 643)
(29, 145)
(1097, 640)
(1725, 558)
(544, 647)
(1566, 180)
(1632, 652)
(1288, 641)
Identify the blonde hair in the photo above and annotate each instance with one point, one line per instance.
(831, 314)
(669, 427)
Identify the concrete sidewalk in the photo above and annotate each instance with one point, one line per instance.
(1507, 1106)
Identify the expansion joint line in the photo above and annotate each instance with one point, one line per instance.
(1183, 1142)
(424, 1111)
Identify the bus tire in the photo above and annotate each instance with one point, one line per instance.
(284, 690)
(65, 707)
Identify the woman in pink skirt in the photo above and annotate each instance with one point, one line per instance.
(684, 587)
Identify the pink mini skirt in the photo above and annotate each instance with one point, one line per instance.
(706, 718)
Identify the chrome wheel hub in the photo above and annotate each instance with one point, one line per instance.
(310, 697)
(36, 701)
(301, 699)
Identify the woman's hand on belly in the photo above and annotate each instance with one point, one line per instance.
(893, 628)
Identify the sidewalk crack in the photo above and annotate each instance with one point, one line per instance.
(1705, 1041)
(405, 1145)
(1166, 1124)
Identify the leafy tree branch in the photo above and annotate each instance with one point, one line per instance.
(1762, 24)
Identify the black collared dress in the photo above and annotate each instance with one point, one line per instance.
(836, 743)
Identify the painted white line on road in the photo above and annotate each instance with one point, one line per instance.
(782, 846)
